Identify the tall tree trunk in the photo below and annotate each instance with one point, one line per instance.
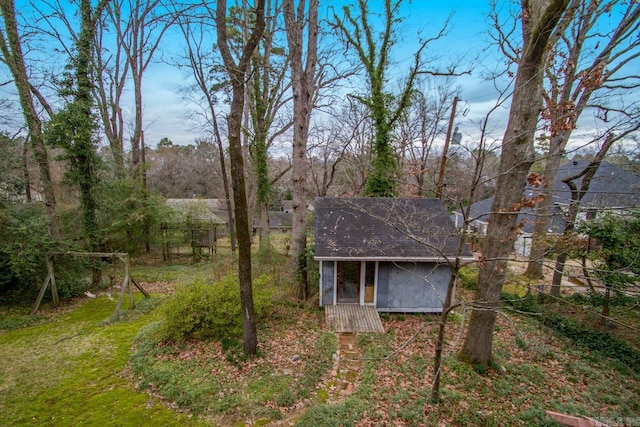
(14, 58)
(25, 168)
(302, 76)
(265, 232)
(139, 34)
(544, 211)
(539, 19)
(236, 73)
(136, 138)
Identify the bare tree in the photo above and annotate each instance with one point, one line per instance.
(200, 61)
(112, 70)
(424, 121)
(539, 20)
(11, 48)
(140, 26)
(268, 94)
(303, 62)
(576, 74)
(326, 152)
(237, 73)
(480, 155)
(350, 154)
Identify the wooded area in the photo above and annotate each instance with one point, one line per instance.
(295, 101)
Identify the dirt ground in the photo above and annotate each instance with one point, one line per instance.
(573, 279)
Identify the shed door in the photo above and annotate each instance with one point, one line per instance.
(369, 283)
(348, 288)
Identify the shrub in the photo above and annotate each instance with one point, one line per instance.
(127, 214)
(468, 277)
(25, 241)
(211, 310)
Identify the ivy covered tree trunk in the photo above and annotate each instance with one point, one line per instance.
(261, 158)
(86, 157)
(267, 94)
(539, 19)
(373, 50)
(11, 49)
(383, 178)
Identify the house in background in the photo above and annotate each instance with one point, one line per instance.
(279, 221)
(393, 254)
(195, 221)
(612, 189)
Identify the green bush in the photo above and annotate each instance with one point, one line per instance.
(211, 310)
(127, 215)
(23, 247)
(468, 277)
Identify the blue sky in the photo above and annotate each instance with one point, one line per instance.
(466, 37)
(465, 42)
(165, 110)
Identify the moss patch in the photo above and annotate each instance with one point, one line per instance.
(69, 370)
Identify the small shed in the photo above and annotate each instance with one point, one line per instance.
(193, 221)
(391, 253)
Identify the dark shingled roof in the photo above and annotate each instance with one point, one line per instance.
(384, 229)
(611, 187)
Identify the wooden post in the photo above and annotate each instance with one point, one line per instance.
(126, 285)
(43, 288)
(54, 289)
(51, 279)
(126, 272)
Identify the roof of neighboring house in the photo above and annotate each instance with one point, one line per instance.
(205, 210)
(280, 219)
(383, 229)
(480, 211)
(611, 187)
(277, 219)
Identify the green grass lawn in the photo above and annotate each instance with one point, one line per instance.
(68, 369)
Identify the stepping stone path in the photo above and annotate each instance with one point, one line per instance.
(346, 369)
